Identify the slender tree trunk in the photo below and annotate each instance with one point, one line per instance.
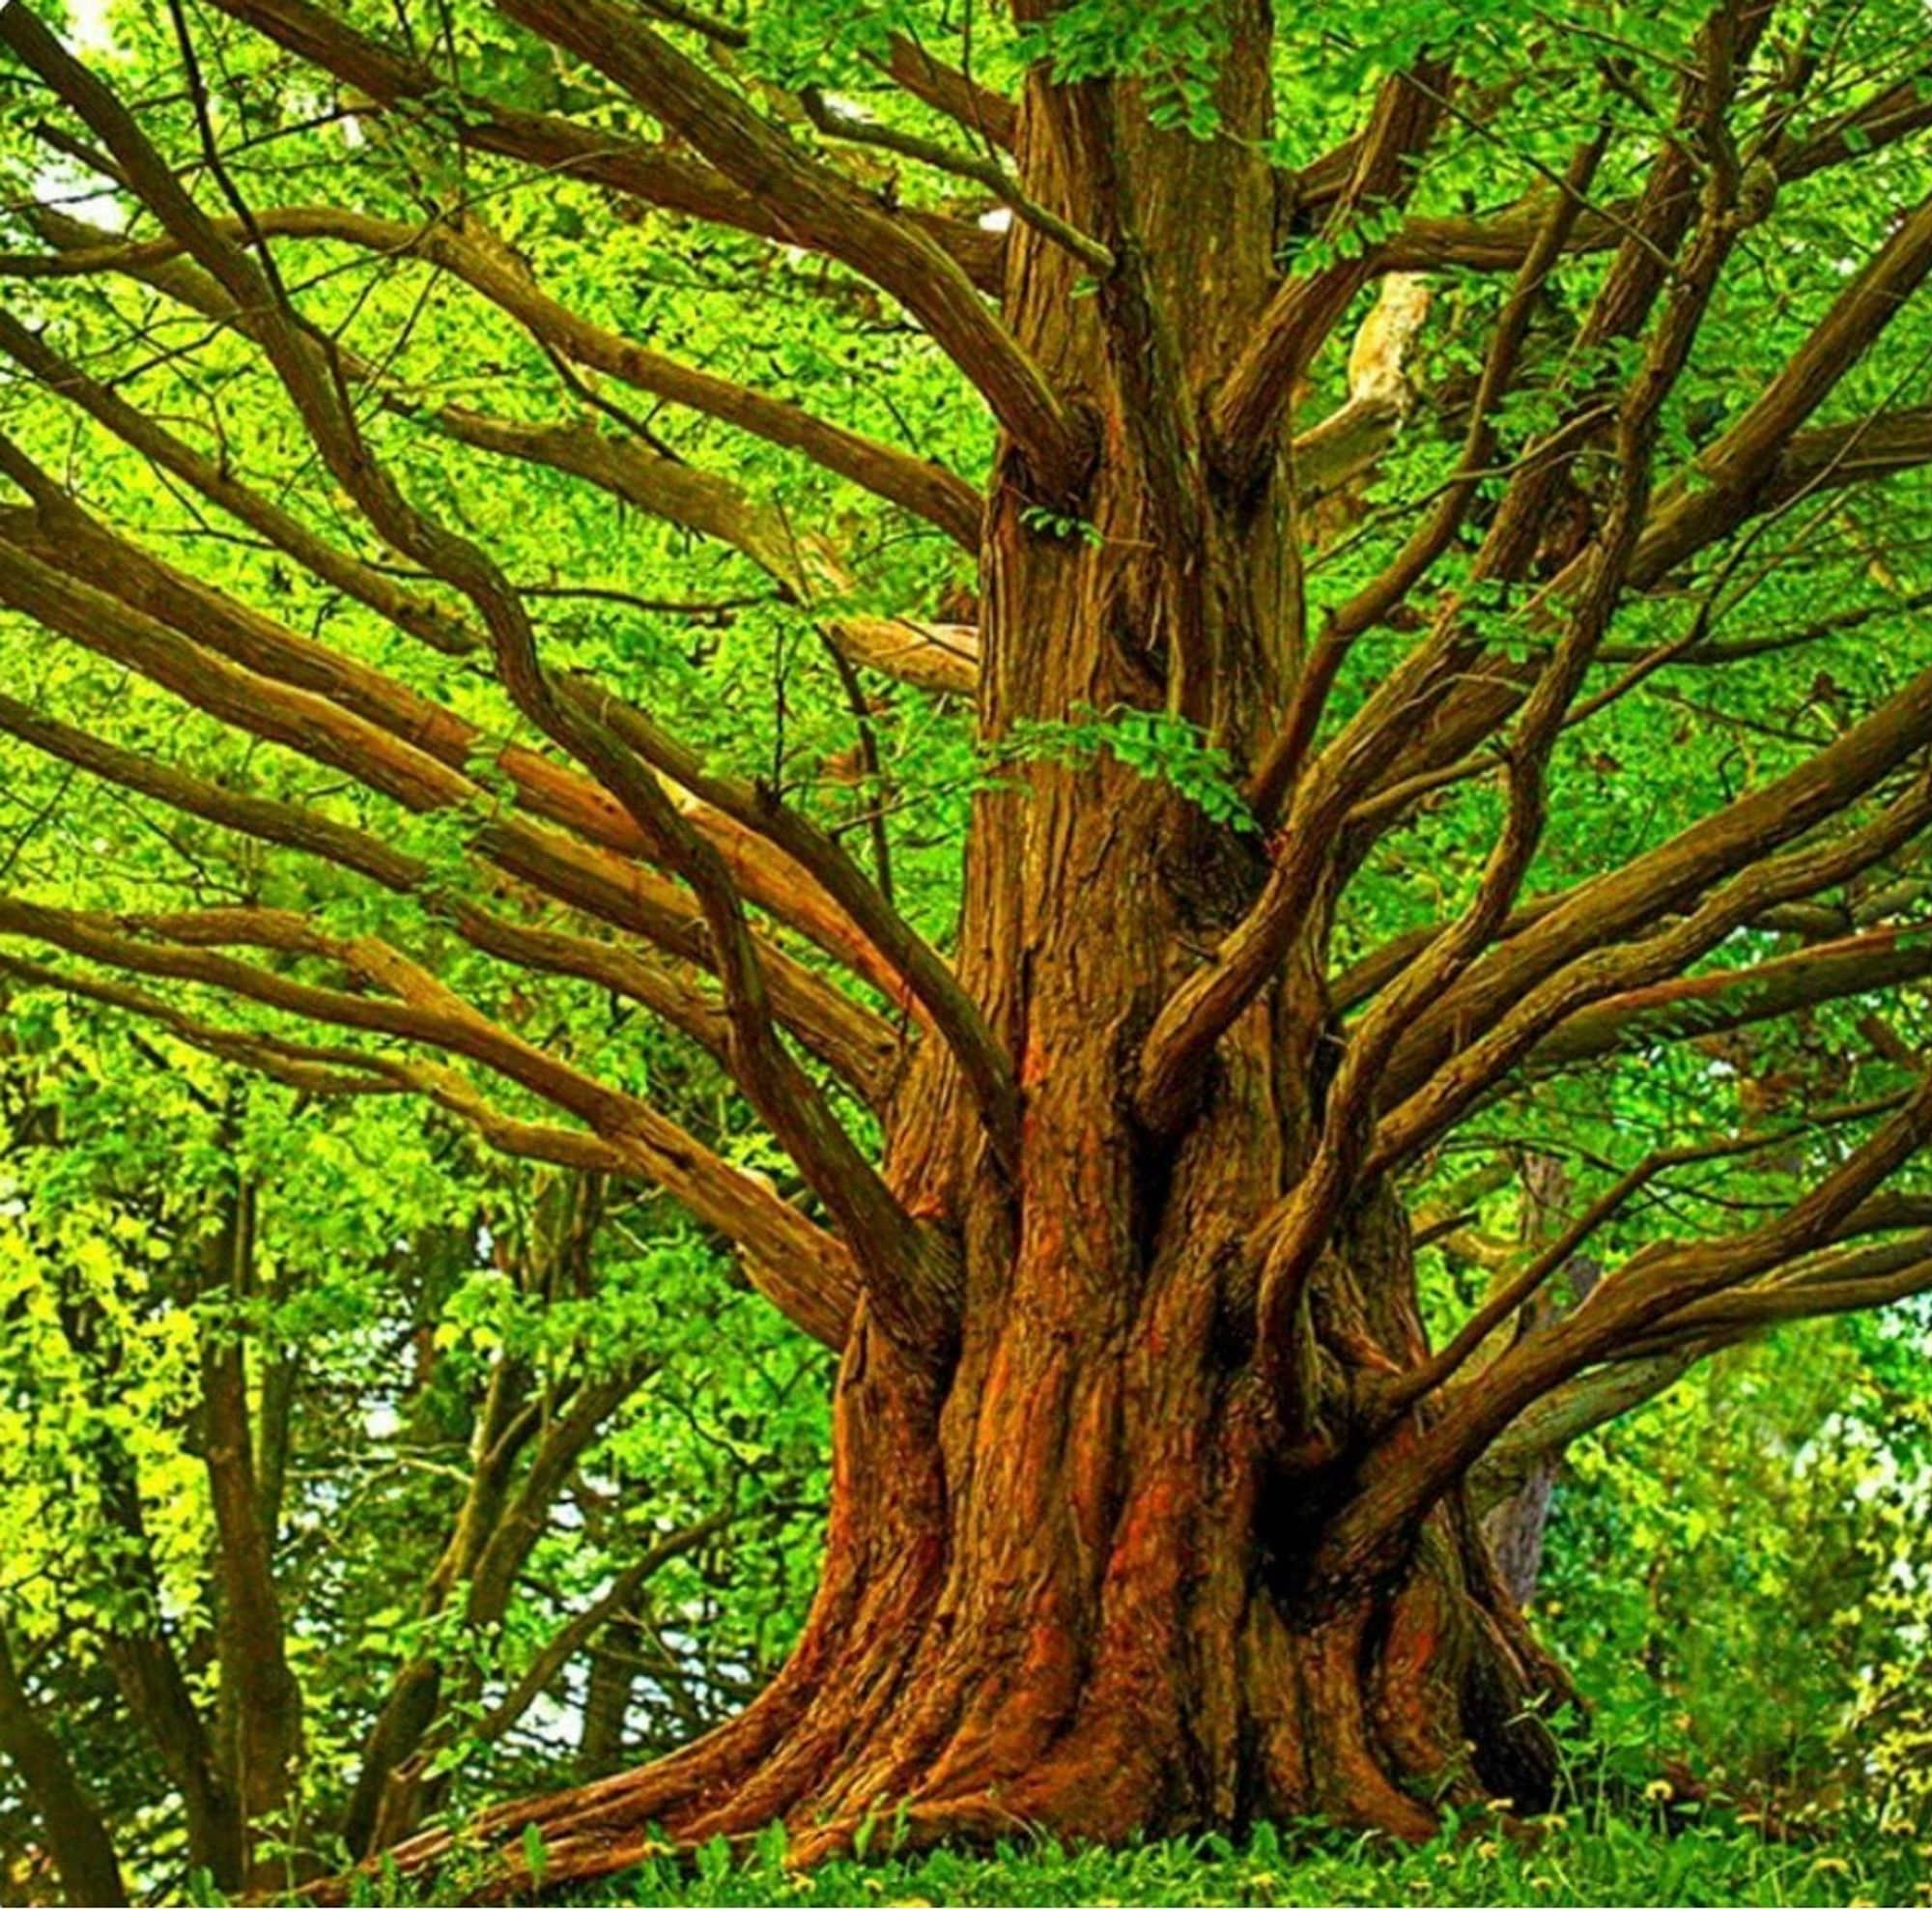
(76, 1837)
(258, 1712)
(1514, 1525)
(498, 1522)
(611, 1681)
(384, 1801)
(149, 1669)
(1071, 1572)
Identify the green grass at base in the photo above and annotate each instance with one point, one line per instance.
(1614, 1861)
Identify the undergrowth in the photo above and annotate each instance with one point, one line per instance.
(1669, 1854)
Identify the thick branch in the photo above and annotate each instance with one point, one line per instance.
(1368, 606)
(1483, 1059)
(1646, 1292)
(415, 1008)
(1668, 878)
(458, 247)
(826, 212)
(300, 719)
(1688, 1008)
(667, 991)
(657, 176)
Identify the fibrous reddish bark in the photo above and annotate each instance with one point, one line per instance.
(1105, 1627)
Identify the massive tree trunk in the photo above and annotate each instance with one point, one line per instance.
(1076, 1572)
(1073, 1591)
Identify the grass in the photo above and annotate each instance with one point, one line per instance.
(1610, 1863)
(1596, 1856)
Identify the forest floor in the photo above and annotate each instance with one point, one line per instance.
(1635, 1866)
(1594, 1856)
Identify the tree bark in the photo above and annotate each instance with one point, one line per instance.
(609, 1682)
(258, 1710)
(1515, 1525)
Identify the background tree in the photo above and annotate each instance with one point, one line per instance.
(1409, 506)
(328, 1493)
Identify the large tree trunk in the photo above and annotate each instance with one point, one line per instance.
(1071, 1589)
(1072, 1577)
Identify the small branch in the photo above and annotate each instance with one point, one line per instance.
(578, 1631)
(988, 172)
(1260, 387)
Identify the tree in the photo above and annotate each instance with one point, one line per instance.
(1351, 506)
(318, 1481)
